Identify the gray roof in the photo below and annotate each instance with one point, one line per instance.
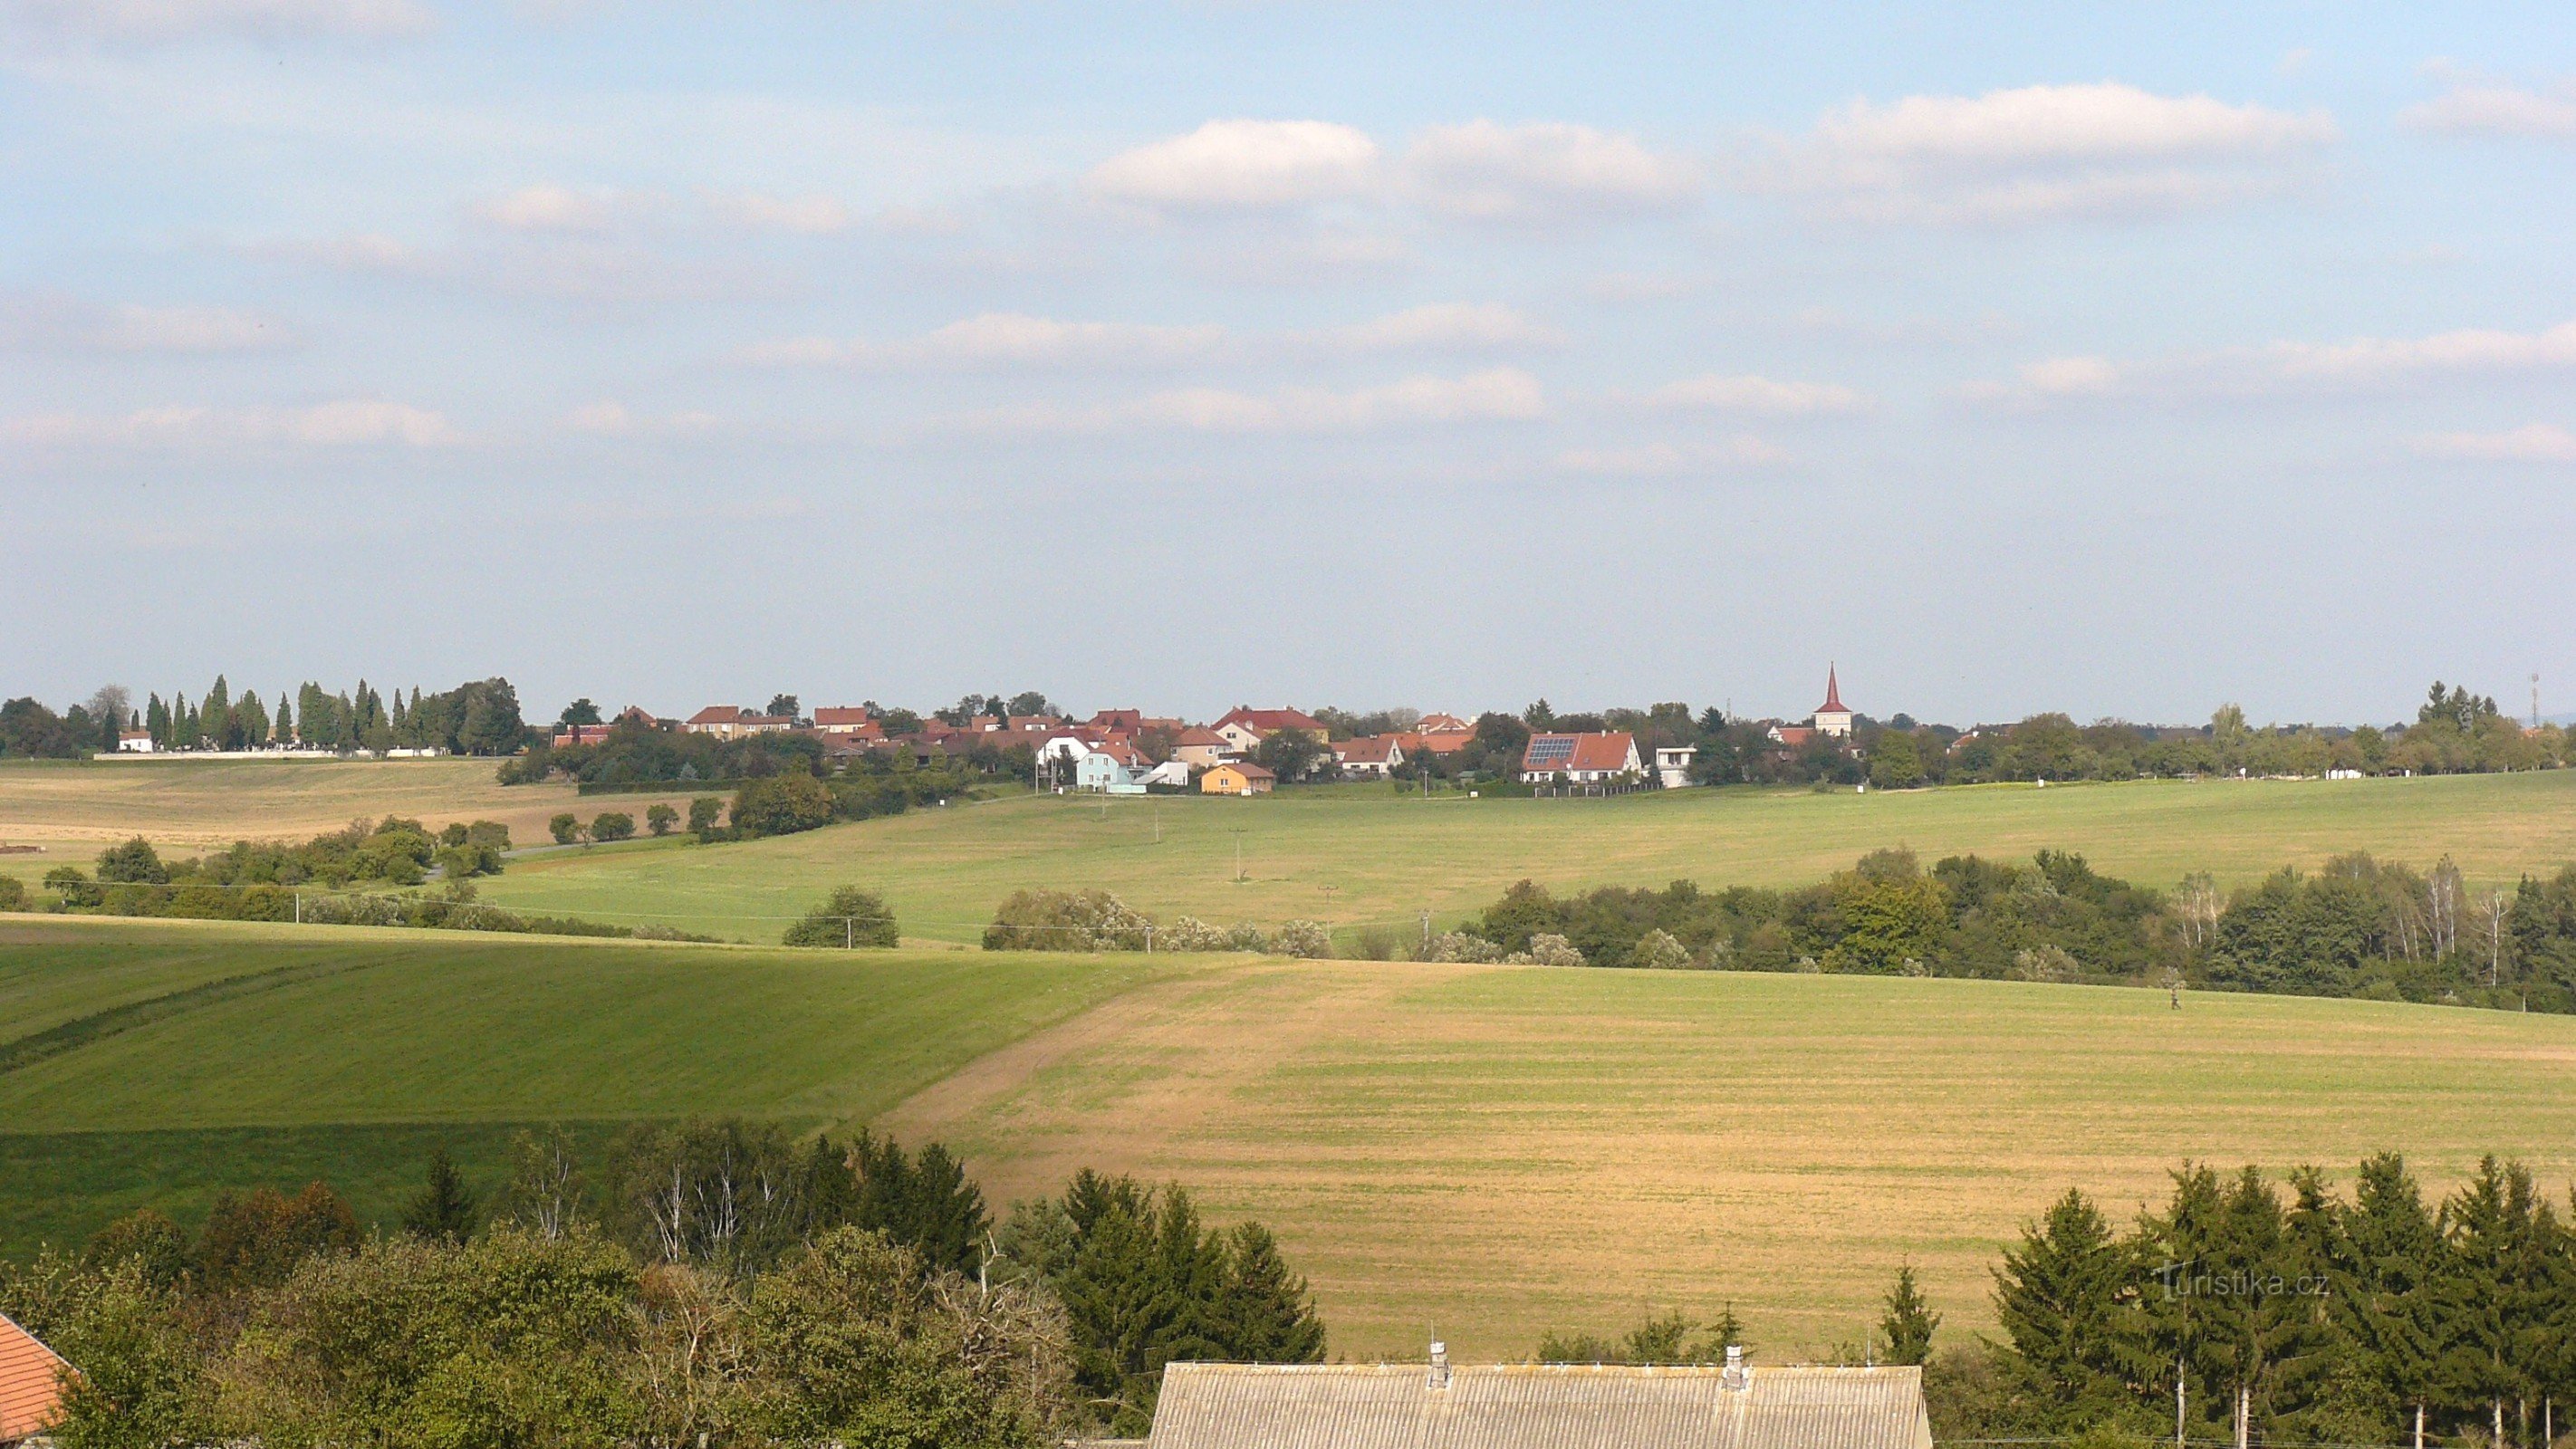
(1537, 1406)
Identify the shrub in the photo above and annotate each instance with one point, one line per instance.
(659, 818)
(566, 828)
(1460, 946)
(781, 805)
(1307, 939)
(133, 863)
(613, 825)
(851, 918)
(1377, 944)
(13, 893)
(1044, 920)
(74, 886)
(704, 811)
(1189, 933)
(1554, 950)
(1660, 951)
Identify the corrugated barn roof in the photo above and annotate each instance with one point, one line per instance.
(1537, 1406)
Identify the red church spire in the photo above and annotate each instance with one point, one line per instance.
(1833, 694)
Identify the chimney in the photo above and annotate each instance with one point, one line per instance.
(1738, 1378)
(1439, 1364)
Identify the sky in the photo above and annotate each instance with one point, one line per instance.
(2118, 359)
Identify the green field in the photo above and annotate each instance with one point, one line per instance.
(1499, 1149)
(1358, 856)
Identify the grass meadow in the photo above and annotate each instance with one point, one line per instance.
(1499, 1150)
(1356, 856)
(74, 808)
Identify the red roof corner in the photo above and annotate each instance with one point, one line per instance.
(31, 1392)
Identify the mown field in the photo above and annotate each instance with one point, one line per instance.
(73, 808)
(1500, 1149)
(1360, 856)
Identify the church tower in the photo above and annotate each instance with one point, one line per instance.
(1831, 717)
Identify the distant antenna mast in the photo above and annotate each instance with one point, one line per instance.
(2535, 701)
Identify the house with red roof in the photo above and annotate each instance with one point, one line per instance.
(1245, 727)
(847, 719)
(1374, 758)
(733, 722)
(31, 1384)
(1442, 724)
(1201, 748)
(1587, 759)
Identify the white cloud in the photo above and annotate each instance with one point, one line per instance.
(2466, 350)
(2536, 443)
(190, 329)
(61, 324)
(1660, 460)
(2289, 367)
(2044, 152)
(2480, 107)
(802, 215)
(1499, 395)
(1243, 163)
(346, 423)
(1752, 394)
(155, 21)
(1439, 327)
(613, 419)
(547, 207)
(997, 340)
(1549, 170)
(1004, 339)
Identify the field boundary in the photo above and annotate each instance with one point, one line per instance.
(81, 1031)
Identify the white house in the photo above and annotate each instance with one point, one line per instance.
(1377, 757)
(1099, 772)
(1673, 764)
(135, 742)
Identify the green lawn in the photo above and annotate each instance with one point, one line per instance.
(273, 1040)
(1360, 856)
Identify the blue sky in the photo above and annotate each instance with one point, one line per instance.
(2113, 359)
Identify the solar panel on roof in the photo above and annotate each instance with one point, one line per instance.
(1543, 750)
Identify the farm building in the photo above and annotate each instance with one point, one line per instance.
(1237, 777)
(1538, 1406)
(31, 1392)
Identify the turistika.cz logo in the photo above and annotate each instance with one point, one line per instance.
(2179, 1282)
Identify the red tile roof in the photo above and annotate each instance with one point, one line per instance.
(1833, 695)
(30, 1383)
(1197, 736)
(1248, 770)
(828, 715)
(1607, 753)
(1373, 750)
(1267, 720)
(718, 714)
(1443, 724)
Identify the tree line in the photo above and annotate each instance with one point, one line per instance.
(2357, 927)
(480, 717)
(713, 1283)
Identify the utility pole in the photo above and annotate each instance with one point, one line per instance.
(2245, 1414)
(1426, 930)
(2178, 1404)
(1238, 855)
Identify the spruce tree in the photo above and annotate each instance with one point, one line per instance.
(444, 1210)
(1266, 1313)
(2059, 1296)
(1909, 1323)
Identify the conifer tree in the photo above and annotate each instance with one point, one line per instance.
(445, 1210)
(1266, 1312)
(1909, 1322)
(2059, 1296)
